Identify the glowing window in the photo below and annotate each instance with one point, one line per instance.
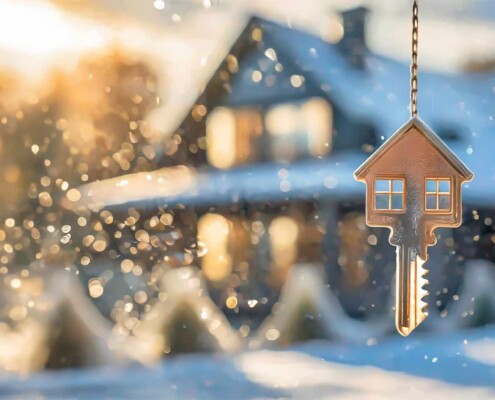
(284, 234)
(299, 129)
(214, 232)
(389, 194)
(231, 136)
(438, 195)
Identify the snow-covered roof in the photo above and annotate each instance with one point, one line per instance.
(174, 186)
(378, 94)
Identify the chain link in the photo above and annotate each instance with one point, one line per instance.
(414, 64)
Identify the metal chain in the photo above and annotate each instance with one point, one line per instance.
(414, 64)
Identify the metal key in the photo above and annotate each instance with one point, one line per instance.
(410, 282)
(413, 184)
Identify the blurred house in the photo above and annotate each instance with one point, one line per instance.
(266, 156)
(283, 97)
(267, 106)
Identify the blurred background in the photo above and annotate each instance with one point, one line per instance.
(176, 176)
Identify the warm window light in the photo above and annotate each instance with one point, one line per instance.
(284, 233)
(214, 231)
(232, 135)
(220, 138)
(318, 119)
(282, 123)
(300, 129)
(282, 120)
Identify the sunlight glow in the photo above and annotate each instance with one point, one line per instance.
(34, 28)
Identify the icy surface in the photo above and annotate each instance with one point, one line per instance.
(454, 366)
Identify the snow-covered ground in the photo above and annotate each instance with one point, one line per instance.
(456, 366)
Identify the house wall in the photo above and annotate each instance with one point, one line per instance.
(352, 134)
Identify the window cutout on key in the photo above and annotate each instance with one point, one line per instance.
(444, 202)
(443, 186)
(397, 201)
(382, 185)
(431, 202)
(398, 186)
(382, 202)
(431, 185)
(438, 195)
(389, 194)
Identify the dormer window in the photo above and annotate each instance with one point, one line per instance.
(389, 194)
(438, 194)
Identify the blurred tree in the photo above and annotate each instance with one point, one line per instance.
(78, 127)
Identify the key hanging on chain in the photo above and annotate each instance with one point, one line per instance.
(413, 186)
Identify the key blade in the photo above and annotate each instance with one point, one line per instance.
(410, 306)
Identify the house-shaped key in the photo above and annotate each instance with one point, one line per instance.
(413, 185)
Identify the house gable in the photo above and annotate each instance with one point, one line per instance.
(417, 125)
(286, 60)
(282, 79)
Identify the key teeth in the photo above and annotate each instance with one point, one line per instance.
(422, 292)
(415, 312)
(422, 281)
